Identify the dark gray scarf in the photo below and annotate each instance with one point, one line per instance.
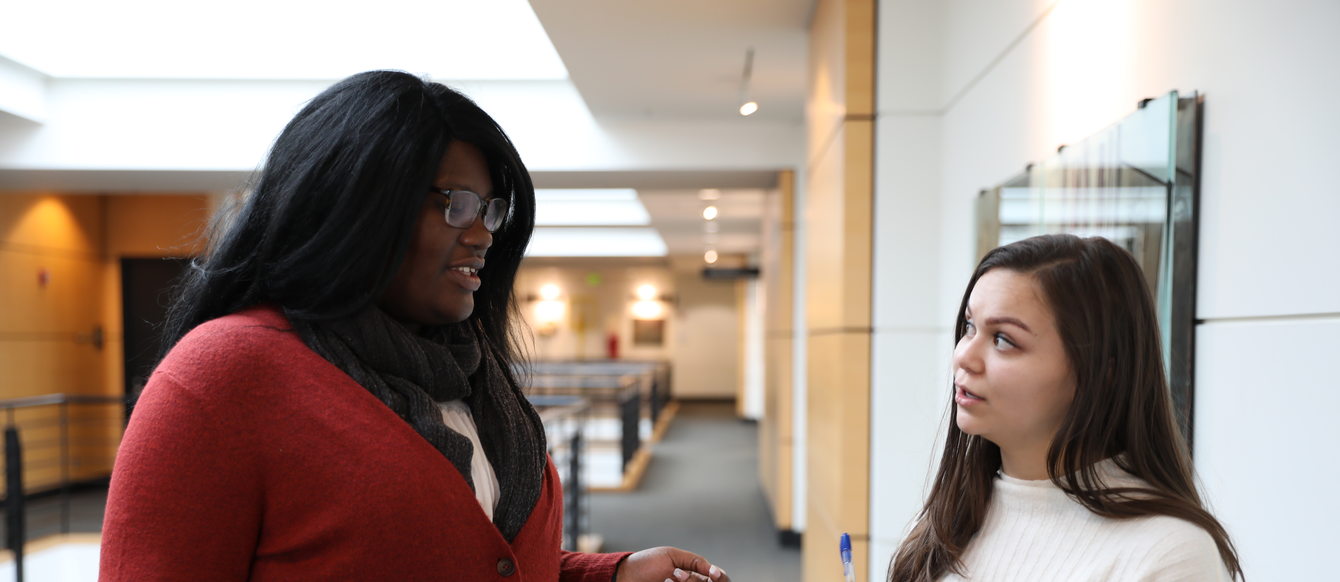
(412, 372)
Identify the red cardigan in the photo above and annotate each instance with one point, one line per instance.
(250, 457)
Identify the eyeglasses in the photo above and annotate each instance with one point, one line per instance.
(464, 207)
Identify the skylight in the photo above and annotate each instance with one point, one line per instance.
(280, 39)
(600, 207)
(596, 242)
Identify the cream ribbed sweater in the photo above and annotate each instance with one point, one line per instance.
(1034, 532)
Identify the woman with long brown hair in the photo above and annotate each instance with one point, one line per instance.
(1062, 460)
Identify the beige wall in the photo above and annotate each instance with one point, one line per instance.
(776, 430)
(598, 297)
(46, 329)
(707, 340)
(838, 212)
(702, 339)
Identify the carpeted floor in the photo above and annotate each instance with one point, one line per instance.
(701, 493)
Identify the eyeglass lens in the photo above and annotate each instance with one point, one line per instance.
(463, 207)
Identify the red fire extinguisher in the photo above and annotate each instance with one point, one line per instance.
(612, 346)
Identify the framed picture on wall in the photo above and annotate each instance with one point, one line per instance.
(648, 332)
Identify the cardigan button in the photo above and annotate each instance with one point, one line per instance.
(506, 567)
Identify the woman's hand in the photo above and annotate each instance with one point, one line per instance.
(665, 563)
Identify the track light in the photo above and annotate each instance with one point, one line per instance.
(747, 106)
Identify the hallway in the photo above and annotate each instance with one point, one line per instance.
(701, 493)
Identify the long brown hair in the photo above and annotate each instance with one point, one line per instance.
(1122, 410)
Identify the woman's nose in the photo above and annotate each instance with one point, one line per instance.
(966, 356)
(477, 236)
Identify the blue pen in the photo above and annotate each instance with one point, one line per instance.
(844, 546)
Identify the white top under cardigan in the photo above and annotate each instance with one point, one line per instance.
(1034, 532)
(456, 415)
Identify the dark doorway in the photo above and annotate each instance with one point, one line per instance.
(145, 292)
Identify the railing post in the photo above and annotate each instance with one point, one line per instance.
(65, 466)
(630, 416)
(14, 517)
(576, 488)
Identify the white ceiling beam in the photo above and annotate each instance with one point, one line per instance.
(23, 91)
(220, 127)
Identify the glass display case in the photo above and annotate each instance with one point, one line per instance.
(1136, 184)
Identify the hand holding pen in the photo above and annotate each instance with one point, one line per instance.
(666, 564)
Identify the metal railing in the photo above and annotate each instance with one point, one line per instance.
(53, 442)
(564, 418)
(610, 397)
(653, 375)
(57, 441)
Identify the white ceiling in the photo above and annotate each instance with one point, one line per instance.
(278, 39)
(685, 60)
(677, 215)
(682, 59)
(629, 60)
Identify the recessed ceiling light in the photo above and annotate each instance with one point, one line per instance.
(710, 256)
(589, 207)
(710, 213)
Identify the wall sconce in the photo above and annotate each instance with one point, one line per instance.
(550, 309)
(649, 304)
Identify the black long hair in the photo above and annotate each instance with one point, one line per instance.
(329, 219)
(1122, 410)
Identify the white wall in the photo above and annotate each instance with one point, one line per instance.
(911, 333)
(1018, 78)
(799, 360)
(752, 311)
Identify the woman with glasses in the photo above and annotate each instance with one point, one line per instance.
(336, 400)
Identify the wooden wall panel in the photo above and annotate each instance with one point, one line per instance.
(838, 261)
(60, 260)
(776, 428)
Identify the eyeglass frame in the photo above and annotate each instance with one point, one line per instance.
(484, 205)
